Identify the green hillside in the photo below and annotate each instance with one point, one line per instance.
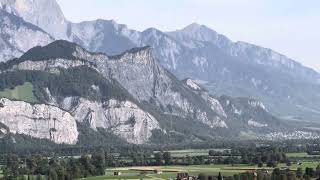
(21, 93)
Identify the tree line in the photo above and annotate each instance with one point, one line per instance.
(55, 168)
(275, 174)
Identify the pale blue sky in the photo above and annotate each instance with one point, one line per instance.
(291, 27)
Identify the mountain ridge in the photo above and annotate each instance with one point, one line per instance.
(204, 33)
(16, 8)
(227, 69)
(131, 96)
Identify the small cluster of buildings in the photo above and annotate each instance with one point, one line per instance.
(185, 176)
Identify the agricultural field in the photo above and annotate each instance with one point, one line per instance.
(301, 155)
(303, 160)
(304, 164)
(171, 171)
(23, 93)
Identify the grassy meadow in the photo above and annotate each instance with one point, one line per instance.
(23, 93)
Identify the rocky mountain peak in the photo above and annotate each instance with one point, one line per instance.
(202, 33)
(44, 13)
(153, 35)
(56, 49)
(195, 27)
(152, 31)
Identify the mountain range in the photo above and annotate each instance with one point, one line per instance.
(144, 86)
(130, 95)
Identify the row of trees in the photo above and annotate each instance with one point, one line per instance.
(255, 156)
(139, 156)
(277, 174)
(270, 156)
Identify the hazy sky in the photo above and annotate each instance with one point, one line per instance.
(291, 27)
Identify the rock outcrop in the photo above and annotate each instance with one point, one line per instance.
(38, 121)
(123, 118)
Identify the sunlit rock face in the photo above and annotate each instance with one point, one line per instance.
(38, 121)
(123, 118)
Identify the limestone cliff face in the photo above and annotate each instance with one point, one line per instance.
(123, 118)
(212, 102)
(39, 121)
(140, 73)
